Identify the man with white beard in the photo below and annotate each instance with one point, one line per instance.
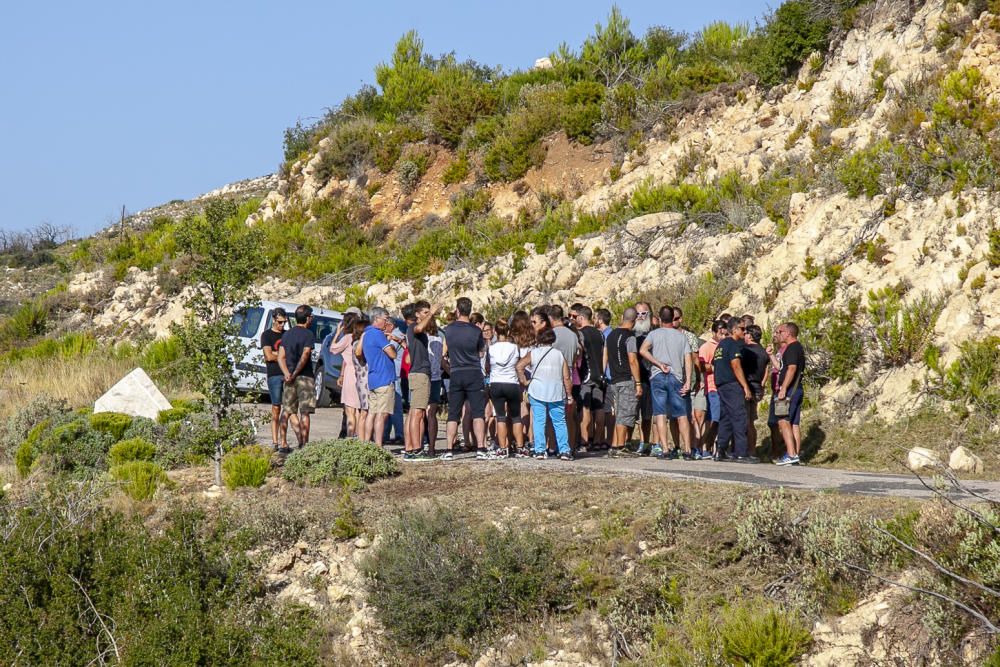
(643, 325)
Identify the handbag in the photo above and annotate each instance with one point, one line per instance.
(783, 406)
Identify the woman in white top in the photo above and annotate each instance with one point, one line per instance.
(505, 389)
(435, 350)
(549, 391)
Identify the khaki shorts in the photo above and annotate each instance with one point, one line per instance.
(420, 391)
(299, 397)
(382, 400)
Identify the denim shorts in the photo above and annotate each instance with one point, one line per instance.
(667, 394)
(275, 385)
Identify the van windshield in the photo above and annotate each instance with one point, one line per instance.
(247, 321)
(322, 326)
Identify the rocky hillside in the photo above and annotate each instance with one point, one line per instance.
(858, 195)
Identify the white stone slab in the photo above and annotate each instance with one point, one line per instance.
(136, 395)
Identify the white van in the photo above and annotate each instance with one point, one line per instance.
(251, 373)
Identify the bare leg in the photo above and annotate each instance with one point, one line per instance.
(586, 422)
(275, 423)
(698, 428)
(432, 426)
(502, 430)
(414, 430)
(683, 428)
(479, 428)
(661, 431)
(303, 430)
(786, 434)
(452, 434)
(797, 436)
(377, 420)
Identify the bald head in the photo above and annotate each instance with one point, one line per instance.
(629, 315)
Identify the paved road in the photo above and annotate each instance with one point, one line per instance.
(326, 424)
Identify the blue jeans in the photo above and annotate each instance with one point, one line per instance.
(667, 399)
(556, 410)
(395, 420)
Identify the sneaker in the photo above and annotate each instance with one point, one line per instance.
(785, 460)
(482, 455)
(643, 449)
(523, 453)
(719, 456)
(621, 453)
(567, 456)
(746, 459)
(673, 454)
(447, 456)
(700, 455)
(501, 454)
(687, 456)
(656, 451)
(795, 461)
(540, 457)
(284, 450)
(409, 456)
(424, 456)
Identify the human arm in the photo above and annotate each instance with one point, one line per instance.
(303, 360)
(269, 354)
(567, 381)
(688, 374)
(787, 382)
(646, 352)
(633, 365)
(737, 367)
(422, 322)
(340, 344)
(283, 364)
(521, 367)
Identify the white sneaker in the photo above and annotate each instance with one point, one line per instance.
(447, 456)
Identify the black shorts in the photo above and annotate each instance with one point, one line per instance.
(591, 396)
(506, 399)
(466, 386)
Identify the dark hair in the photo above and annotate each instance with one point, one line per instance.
(793, 327)
(577, 307)
(302, 314)
(502, 329)
(666, 314)
(555, 311)
(586, 311)
(678, 312)
(755, 333)
(464, 306)
(545, 337)
(420, 305)
(603, 315)
(360, 325)
(279, 312)
(477, 318)
(348, 324)
(521, 330)
(719, 325)
(409, 312)
(735, 323)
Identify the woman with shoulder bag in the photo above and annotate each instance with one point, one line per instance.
(550, 390)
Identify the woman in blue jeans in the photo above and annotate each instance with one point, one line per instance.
(549, 390)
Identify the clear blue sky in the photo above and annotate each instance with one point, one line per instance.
(137, 103)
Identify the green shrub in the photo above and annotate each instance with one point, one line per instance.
(26, 419)
(901, 331)
(139, 479)
(349, 150)
(881, 71)
(347, 524)
(28, 321)
(845, 107)
(247, 466)
(469, 205)
(963, 100)
(459, 102)
(432, 576)
(112, 423)
(24, 458)
(757, 634)
(407, 83)
(390, 139)
(640, 603)
(994, 254)
(412, 167)
(972, 379)
(337, 461)
(73, 447)
(182, 594)
(860, 171)
(835, 342)
(582, 110)
(457, 170)
(788, 37)
(133, 449)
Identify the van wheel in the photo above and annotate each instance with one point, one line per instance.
(323, 398)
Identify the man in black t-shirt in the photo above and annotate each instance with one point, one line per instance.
(621, 356)
(592, 384)
(789, 391)
(755, 361)
(270, 342)
(734, 392)
(464, 346)
(418, 318)
(299, 393)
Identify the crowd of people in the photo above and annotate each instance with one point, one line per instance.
(545, 383)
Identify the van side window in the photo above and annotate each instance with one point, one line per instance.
(248, 321)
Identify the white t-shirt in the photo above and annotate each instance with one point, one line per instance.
(503, 360)
(547, 375)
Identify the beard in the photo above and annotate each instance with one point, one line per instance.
(642, 327)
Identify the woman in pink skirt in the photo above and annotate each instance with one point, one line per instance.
(342, 345)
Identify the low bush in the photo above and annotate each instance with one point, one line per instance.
(246, 466)
(757, 634)
(29, 320)
(133, 449)
(788, 37)
(83, 585)
(113, 423)
(457, 170)
(994, 254)
(339, 461)
(70, 445)
(349, 150)
(390, 139)
(835, 341)
(412, 166)
(972, 380)
(432, 576)
(24, 458)
(347, 524)
(902, 330)
(139, 479)
(469, 205)
(860, 172)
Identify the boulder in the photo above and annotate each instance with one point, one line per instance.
(963, 460)
(920, 458)
(644, 223)
(136, 395)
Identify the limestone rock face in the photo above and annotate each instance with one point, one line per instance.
(963, 460)
(136, 395)
(920, 458)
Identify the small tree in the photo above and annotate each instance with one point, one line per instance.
(224, 257)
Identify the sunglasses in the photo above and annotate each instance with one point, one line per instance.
(642, 314)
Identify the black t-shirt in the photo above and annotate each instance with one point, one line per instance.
(643, 364)
(728, 350)
(754, 361)
(465, 341)
(593, 355)
(295, 341)
(420, 358)
(621, 342)
(794, 354)
(271, 339)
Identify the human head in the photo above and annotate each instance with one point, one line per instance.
(488, 331)
(747, 320)
(420, 309)
(754, 333)
(521, 330)
(643, 318)
(477, 319)
(667, 317)
(545, 337)
(720, 329)
(360, 325)
(463, 307)
(555, 315)
(628, 318)
(678, 317)
(603, 317)
(380, 318)
(349, 320)
(302, 314)
(790, 332)
(583, 315)
(502, 329)
(540, 319)
(736, 328)
(409, 313)
(279, 318)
